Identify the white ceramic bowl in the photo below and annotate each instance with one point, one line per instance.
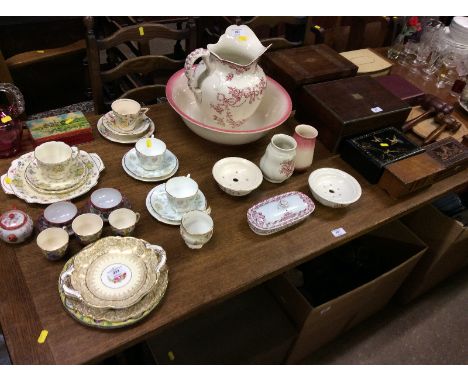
(237, 176)
(60, 213)
(106, 198)
(274, 109)
(334, 188)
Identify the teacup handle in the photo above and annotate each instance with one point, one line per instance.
(69, 292)
(143, 110)
(137, 217)
(193, 84)
(75, 152)
(160, 252)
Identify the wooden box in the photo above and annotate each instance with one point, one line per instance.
(351, 106)
(451, 154)
(393, 248)
(402, 88)
(296, 67)
(411, 174)
(370, 153)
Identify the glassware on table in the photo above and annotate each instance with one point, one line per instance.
(408, 56)
(448, 72)
(464, 99)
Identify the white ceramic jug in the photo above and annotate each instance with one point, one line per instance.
(277, 164)
(228, 84)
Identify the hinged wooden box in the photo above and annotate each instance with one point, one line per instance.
(310, 64)
(347, 107)
(451, 154)
(370, 153)
(411, 174)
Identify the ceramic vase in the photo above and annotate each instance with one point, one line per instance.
(277, 164)
(305, 136)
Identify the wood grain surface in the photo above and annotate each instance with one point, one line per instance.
(235, 259)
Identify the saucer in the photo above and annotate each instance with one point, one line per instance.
(125, 139)
(132, 167)
(75, 176)
(159, 207)
(109, 123)
(42, 224)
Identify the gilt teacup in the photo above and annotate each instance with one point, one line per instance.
(127, 113)
(54, 159)
(53, 242)
(88, 227)
(196, 228)
(123, 221)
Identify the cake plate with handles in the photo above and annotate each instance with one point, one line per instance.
(113, 318)
(14, 181)
(114, 273)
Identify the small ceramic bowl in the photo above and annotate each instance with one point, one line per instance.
(60, 214)
(123, 221)
(237, 176)
(181, 191)
(106, 199)
(88, 227)
(53, 243)
(334, 188)
(196, 228)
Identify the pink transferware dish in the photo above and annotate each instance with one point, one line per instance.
(273, 110)
(279, 212)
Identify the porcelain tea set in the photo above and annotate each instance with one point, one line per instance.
(126, 122)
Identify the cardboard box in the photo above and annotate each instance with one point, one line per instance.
(343, 108)
(368, 62)
(310, 64)
(318, 324)
(447, 241)
(251, 328)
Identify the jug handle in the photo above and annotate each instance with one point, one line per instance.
(190, 70)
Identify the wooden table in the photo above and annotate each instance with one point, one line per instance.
(234, 260)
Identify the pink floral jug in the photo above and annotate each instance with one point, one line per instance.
(228, 84)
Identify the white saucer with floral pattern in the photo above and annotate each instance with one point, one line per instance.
(125, 139)
(168, 168)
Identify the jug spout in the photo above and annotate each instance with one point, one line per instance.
(238, 45)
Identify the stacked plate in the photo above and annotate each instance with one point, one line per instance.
(107, 128)
(459, 29)
(25, 180)
(114, 282)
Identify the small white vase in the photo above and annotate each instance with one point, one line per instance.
(277, 164)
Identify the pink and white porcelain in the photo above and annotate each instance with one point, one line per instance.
(305, 136)
(279, 212)
(15, 226)
(60, 213)
(105, 199)
(228, 84)
(273, 110)
(277, 164)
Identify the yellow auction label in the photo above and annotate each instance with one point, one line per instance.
(243, 38)
(42, 336)
(69, 120)
(142, 31)
(6, 119)
(8, 180)
(384, 144)
(40, 51)
(149, 143)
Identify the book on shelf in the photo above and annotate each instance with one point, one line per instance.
(71, 128)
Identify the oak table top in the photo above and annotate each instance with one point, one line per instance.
(235, 259)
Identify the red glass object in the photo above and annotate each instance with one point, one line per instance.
(11, 126)
(458, 87)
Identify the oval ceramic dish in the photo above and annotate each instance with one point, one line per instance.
(279, 212)
(237, 176)
(274, 109)
(334, 188)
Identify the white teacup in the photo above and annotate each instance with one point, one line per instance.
(123, 221)
(127, 113)
(53, 242)
(60, 214)
(150, 152)
(181, 192)
(88, 227)
(196, 228)
(54, 159)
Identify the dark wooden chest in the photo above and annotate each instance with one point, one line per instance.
(347, 107)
